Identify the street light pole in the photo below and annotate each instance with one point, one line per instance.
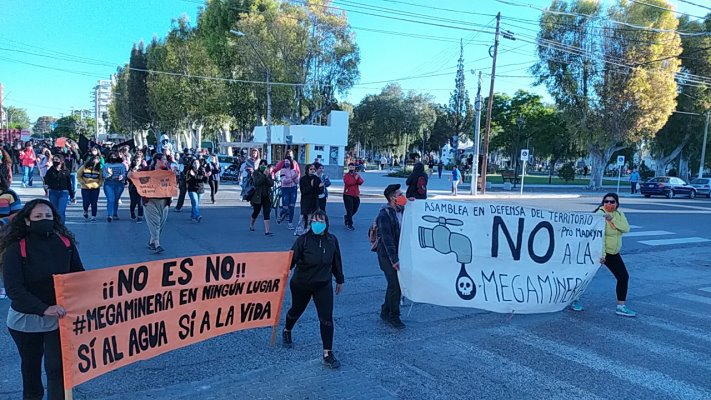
(478, 103)
(703, 146)
(268, 152)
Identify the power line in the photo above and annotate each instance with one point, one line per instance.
(665, 9)
(695, 4)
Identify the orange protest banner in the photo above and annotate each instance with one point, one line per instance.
(155, 184)
(60, 142)
(120, 315)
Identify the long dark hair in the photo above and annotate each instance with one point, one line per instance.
(90, 162)
(602, 202)
(320, 214)
(17, 228)
(62, 165)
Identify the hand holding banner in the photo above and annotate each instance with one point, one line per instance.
(154, 184)
(497, 257)
(120, 315)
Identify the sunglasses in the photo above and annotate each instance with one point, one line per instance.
(609, 202)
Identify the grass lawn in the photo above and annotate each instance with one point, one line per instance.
(543, 180)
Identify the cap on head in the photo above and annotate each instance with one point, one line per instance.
(390, 190)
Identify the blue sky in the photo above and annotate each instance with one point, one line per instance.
(50, 33)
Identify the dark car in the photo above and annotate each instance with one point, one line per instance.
(702, 186)
(231, 173)
(668, 186)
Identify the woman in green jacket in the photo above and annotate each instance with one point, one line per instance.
(616, 225)
(262, 198)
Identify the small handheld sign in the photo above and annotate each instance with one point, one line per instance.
(524, 158)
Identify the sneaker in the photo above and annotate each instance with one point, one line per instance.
(290, 226)
(108, 219)
(350, 228)
(3, 294)
(24, 185)
(152, 246)
(93, 219)
(269, 234)
(286, 341)
(159, 249)
(176, 209)
(383, 314)
(396, 323)
(281, 219)
(116, 217)
(576, 306)
(199, 219)
(133, 219)
(139, 220)
(86, 217)
(624, 311)
(330, 361)
(251, 228)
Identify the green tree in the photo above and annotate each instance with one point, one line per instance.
(43, 125)
(614, 85)
(460, 107)
(138, 93)
(17, 118)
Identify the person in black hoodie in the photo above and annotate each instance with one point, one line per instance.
(58, 183)
(310, 186)
(316, 261)
(417, 183)
(32, 318)
(138, 164)
(195, 180)
(262, 197)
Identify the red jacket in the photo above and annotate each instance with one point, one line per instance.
(28, 157)
(351, 184)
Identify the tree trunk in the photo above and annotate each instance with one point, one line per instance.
(226, 136)
(597, 168)
(661, 161)
(197, 133)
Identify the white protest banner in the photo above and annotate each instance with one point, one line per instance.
(498, 257)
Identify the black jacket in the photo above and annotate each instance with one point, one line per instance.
(417, 183)
(317, 258)
(388, 234)
(29, 283)
(59, 180)
(309, 186)
(263, 184)
(196, 183)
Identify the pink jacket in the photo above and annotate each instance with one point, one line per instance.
(28, 157)
(289, 177)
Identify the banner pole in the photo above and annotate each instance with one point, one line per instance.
(68, 394)
(275, 327)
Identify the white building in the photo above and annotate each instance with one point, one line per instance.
(327, 143)
(102, 99)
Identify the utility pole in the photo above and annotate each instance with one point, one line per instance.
(268, 151)
(478, 103)
(491, 104)
(703, 147)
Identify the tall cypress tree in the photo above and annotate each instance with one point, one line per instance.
(138, 88)
(460, 108)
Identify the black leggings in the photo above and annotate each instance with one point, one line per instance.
(136, 201)
(214, 187)
(32, 347)
(615, 264)
(266, 208)
(322, 293)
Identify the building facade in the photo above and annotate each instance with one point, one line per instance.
(102, 100)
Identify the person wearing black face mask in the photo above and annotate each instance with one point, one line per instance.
(33, 316)
(58, 183)
(114, 177)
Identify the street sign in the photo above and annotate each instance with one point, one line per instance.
(620, 161)
(524, 154)
(289, 139)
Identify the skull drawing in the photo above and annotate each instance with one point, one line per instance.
(465, 285)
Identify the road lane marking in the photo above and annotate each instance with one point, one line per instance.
(647, 233)
(692, 297)
(677, 328)
(635, 227)
(666, 242)
(706, 289)
(638, 376)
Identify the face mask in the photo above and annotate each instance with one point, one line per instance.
(609, 207)
(287, 165)
(42, 227)
(318, 227)
(263, 168)
(56, 164)
(401, 201)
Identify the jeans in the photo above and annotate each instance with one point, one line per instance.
(195, 204)
(352, 203)
(73, 177)
(136, 201)
(288, 202)
(32, 347)
(90, 197)
(27, 173)
(59, 199)
(633, 187)
(113, 191)
(391, 305)
(322, 293)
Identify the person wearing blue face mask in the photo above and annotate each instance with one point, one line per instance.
(316, 261)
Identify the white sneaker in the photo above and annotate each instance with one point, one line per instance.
(3, 294)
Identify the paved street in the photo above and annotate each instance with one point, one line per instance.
(445, 353)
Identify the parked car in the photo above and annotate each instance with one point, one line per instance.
(230, 173)
(225, 160)
(668, 186)
(702, 186)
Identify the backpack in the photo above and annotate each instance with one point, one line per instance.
(23, 246)
(373, 234)
(421, 186)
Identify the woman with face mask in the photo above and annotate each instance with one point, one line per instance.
(262, 198)
(35, 246)
(90, 178)
(156, 208)
(615, 226)
(195, 180)
(137, 164)
(317, 261)
(43, 164)
(114, 179)
(289, 190)
(58, 183)
(310, 186)
(214, 169)
(351, 194)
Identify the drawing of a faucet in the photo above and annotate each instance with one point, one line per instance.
(445, 241)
